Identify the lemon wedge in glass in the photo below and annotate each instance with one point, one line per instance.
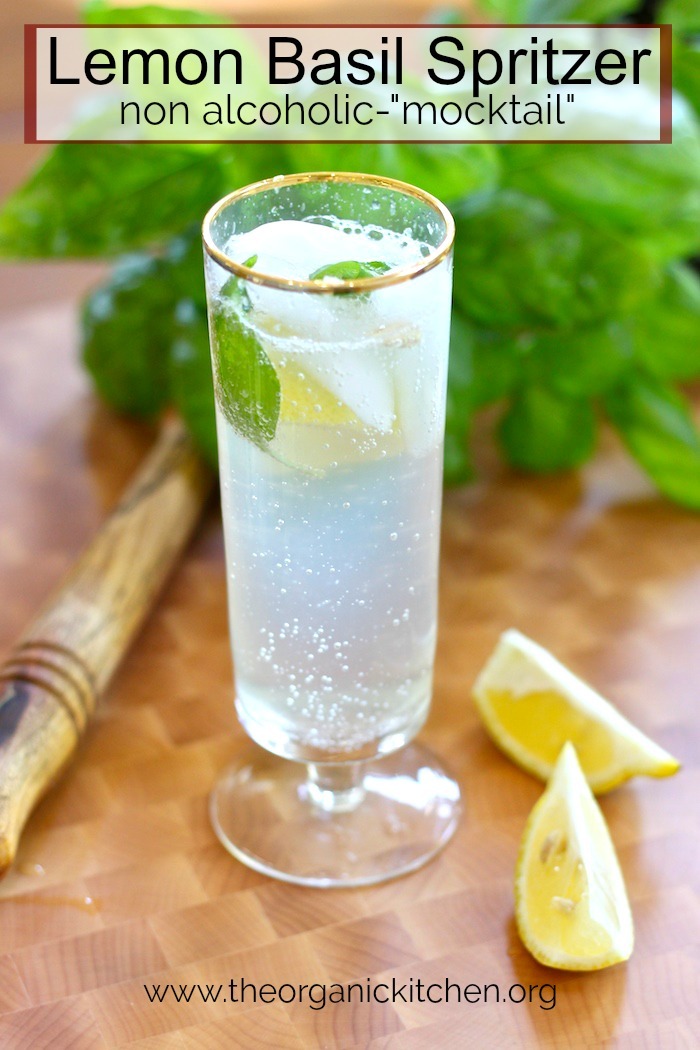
(571, 905)
(531, 705)
(305, 400)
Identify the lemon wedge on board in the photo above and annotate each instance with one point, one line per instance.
(531, 705)
(571, 905)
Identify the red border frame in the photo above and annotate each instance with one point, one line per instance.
(30, 82)
(665, 84)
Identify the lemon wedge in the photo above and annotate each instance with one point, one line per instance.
(304, 400)
(531, 705)
(571, 905)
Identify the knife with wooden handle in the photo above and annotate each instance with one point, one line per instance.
(50, 684)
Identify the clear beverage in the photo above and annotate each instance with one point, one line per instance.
(329, 308)
(332, 527)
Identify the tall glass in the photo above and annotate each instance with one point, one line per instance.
(329, 336)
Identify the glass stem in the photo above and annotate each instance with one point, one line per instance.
(335, 787)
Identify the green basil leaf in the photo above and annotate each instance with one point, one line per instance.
(190, 376)
(102, 12)
(656, 425)
(686, 71)
(235, 289)
(126, 330)
(543, 431)
(549, 11)
(509, 12)
(349, 270)
(683, 15)
(457, 465)
(457, 462)
(666, 330)
(108, 198)
(497, 366)
(247, 386)
(449, 171)
(581, 363)
(635, 188)
(522, 267)
(184, 259)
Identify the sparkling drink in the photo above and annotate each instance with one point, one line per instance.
(329, 308)
(332, 531)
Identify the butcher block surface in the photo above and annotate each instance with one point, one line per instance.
(120, 882)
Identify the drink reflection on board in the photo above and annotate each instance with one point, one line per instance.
(329, 305)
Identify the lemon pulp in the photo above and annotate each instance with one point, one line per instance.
(305, 400)
(572, 910)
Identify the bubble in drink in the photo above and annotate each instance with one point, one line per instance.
(330, 525)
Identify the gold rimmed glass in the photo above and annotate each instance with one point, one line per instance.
(329, 308)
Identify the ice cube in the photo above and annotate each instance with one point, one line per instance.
(291, 248)
(361, 379)
(420, 370)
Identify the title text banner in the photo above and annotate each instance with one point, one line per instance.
(348, 83)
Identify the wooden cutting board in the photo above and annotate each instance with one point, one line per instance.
(120, 881)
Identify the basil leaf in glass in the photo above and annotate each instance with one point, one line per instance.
(349, 270)
(236, 290)
(247, 386)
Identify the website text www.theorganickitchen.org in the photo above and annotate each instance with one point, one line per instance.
(319, 996)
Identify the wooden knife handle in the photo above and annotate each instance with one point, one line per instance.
(50, 684)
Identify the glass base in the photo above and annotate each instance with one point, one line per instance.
(349, 824)
(268, 734)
